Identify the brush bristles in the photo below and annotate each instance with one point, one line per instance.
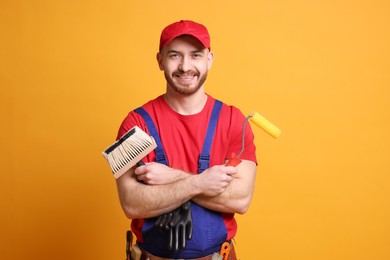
(128, 150)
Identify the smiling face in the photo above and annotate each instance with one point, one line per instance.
(185, 62)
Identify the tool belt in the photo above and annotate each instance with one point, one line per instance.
(230, 255)
(136, 252)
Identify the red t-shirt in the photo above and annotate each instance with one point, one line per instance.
(182, 137)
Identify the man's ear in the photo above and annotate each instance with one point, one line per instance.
(159, 60)
(210, 59)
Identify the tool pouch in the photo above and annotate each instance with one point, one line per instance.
(216, 256)
(133, 252)
(129, 243)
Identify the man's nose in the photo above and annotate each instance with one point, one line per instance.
(185, 64)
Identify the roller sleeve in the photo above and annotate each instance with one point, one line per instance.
(264, 124)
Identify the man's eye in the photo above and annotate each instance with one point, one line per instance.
(196, 55)
(173, 55)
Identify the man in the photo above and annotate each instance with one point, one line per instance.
(197, 134)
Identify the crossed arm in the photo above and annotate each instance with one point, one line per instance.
(155, 189)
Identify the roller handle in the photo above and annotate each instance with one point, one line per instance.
(234, 160)
(261, 122)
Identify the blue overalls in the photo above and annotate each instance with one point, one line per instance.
(209, 230)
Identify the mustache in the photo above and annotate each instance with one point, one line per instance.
(188, 72)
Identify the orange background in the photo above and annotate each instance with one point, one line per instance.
(71, 70)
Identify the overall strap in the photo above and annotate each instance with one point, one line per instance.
(160, 154)
(204, 157)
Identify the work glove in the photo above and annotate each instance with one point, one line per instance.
(179, 224)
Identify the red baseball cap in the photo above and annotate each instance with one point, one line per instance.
(185, 27)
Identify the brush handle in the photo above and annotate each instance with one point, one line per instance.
(140, 163)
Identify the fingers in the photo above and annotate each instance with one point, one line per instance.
(175, 218)
(141, 169)
(170, 246)
(168, 223)
(161, 221)
(140, 172)
(231, 170)
(154, 174)
(182, 231)
(188, 225)
(176, 229)
(147, 174)
(189, 231)
(186, 206)
(216, 179)
(179, 225)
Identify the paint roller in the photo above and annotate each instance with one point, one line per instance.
(261, 122)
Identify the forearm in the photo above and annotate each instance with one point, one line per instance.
(229, 201)
(157, 194)
(139, 200)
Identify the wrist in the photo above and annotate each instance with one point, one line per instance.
(179, 174)
(195, 184)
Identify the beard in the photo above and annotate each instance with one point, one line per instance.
(185, 89)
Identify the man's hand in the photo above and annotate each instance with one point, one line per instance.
(157, 174)
(237, 195)
(216, 179)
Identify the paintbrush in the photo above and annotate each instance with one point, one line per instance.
(128, 150)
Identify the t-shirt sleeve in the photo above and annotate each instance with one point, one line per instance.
(131, 120)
